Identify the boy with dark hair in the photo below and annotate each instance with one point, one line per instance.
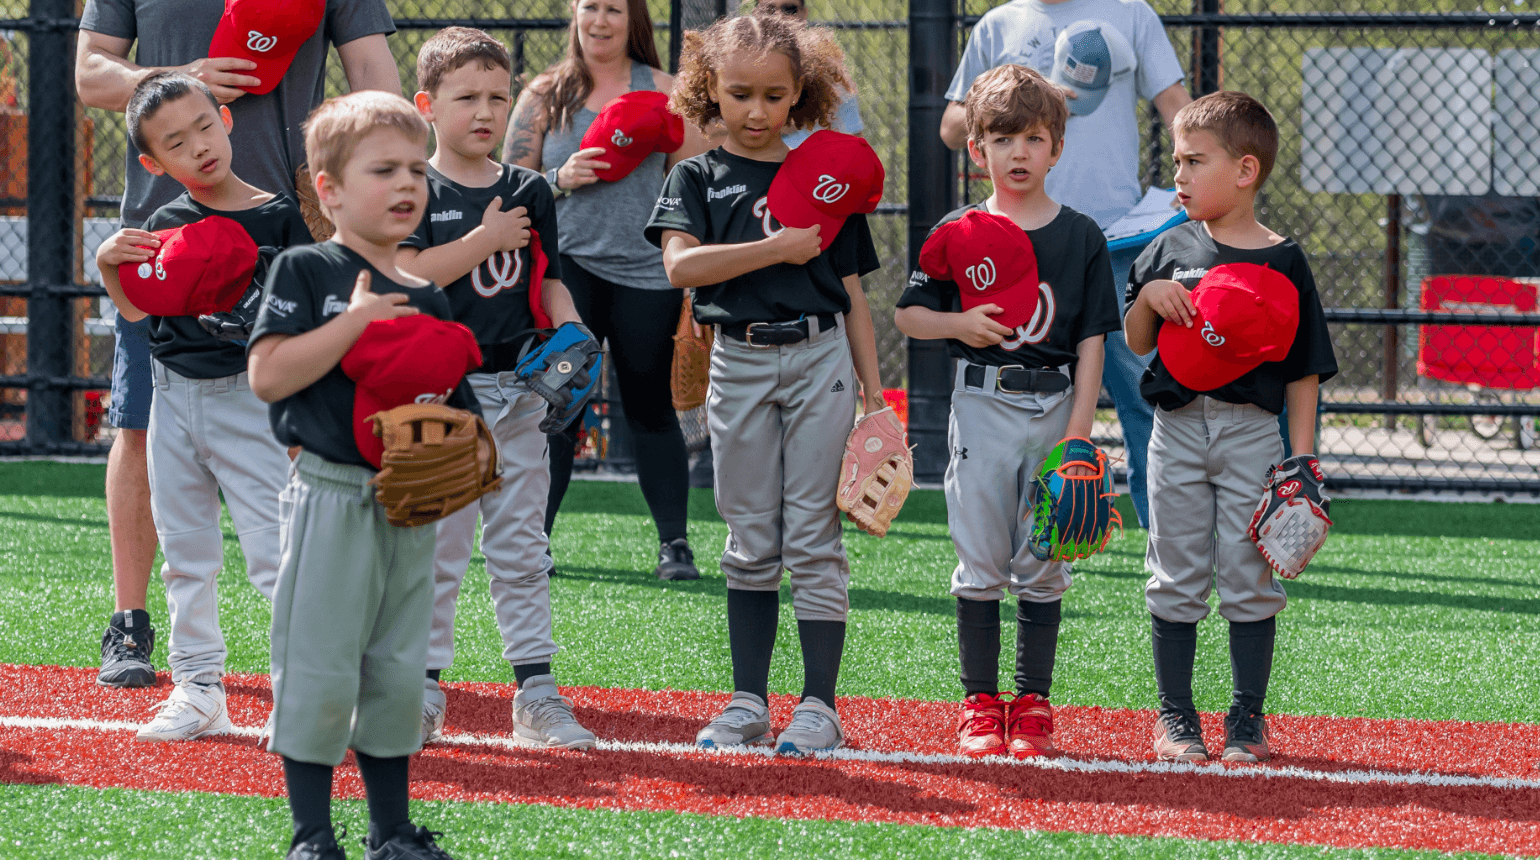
(498, 272)
(1019, 285)
(1234, 310)
(355, 592)
(206, 432)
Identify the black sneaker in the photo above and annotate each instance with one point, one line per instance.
(1246, 737)
(1178, 737)
(409, 844)
(676, 561)
(126, 649)
(321, 848)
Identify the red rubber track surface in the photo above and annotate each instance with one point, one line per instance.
(1271, 807)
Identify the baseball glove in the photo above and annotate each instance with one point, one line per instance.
(1290, 522)
(565, 370)
(234, 325)
(876, 472)
(689, 376)
(437, 460)
(1072, 515)
(321, 227)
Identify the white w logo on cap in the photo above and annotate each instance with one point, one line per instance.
(1213, 338)
(829, 189)
(260, 43)
(982, 275)
(619, 138)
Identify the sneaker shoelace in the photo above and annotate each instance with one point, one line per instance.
(984, 716)
(803, 716)
(123, 646)
(1030, 722)
(175, 704)
(1182, 727)
(550, 710)
(1246, 729)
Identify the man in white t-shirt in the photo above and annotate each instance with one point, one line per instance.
(1098, 173)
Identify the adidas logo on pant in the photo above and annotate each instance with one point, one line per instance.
(838, 387)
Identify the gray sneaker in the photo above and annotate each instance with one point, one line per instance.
(542, 717)
(814, 727)
(744, 722)
(433, 705)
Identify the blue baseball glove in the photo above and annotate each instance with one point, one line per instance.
(564, 369)
(1072, 514)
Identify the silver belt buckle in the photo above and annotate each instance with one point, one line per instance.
(748, 336)
(999, 384)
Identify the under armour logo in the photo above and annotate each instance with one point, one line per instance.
(962, 453)
(1213, 338)
(828, 189)
(982, 275)
(838, 387)
(260, 43)
(503, 270)
(619, 138)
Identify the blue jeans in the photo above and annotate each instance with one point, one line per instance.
(1121, 375)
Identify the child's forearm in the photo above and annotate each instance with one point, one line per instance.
(447, 263)
(126, 309)
(923, 323)
(1088, 386)
(706, 265)
(1141, 325)
(556, 301)
(1300, 397)
(282, 365)
(862, 334)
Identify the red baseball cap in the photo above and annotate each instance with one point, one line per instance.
(992, 261)
(630, 128)
(1247, 314)
(830, 177)
(267, 32)
(415, 359)
(201, 268)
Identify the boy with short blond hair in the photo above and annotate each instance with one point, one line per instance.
(206, 433)
(1020, 287)
(489, 235)
(1234, 310)
(355, 592)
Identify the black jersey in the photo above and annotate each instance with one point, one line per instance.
(719, 198)
(306, 287)
(1076, 297)
(1185, 254)
(492, 300)
(179, 342)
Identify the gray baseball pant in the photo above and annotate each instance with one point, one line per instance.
(208, 435)
(1208, 462)
(350, 620)
(512, 534)
(779, 417)
(998, 441)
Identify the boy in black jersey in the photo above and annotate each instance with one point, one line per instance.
(206, 432)
(1021, 288)
(355, 594)
(497, 272)
(1216, 428)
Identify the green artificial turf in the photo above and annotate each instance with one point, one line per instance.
(113, 824)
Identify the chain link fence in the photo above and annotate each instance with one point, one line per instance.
(1407, 171)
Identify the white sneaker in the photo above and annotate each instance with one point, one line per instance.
(542, 717)
(814, 727)
(433, 705)
(744, 722)
(192, 711)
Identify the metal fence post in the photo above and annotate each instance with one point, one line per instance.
(1207, 65)
(932, 194)
(50, 223)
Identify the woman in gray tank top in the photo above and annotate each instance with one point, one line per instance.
(614, 275)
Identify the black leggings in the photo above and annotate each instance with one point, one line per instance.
(639, 325)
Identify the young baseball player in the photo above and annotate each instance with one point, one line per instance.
(207, 435)
(355, 593)
(1218, 382)
(1023, 295)
(489, 266)
(794, 336)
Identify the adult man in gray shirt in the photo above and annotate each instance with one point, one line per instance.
(268, 146)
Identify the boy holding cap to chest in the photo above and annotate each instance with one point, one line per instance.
(1020, 286)
(1233, 309)
(207, 431)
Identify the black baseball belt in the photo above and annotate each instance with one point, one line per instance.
(778, 333)
(1018, 380)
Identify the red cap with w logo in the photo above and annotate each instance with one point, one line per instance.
(267, 32)
(992, 261)
(415, 359)
(630, 128)
(830, 177)
(1247, 314)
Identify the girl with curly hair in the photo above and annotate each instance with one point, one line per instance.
(794, 338)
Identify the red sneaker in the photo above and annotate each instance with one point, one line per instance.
(1031, 726)
(981, 725)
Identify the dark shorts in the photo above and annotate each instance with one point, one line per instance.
(131, 383)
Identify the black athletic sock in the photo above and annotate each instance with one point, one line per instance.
(310, 799)
(130, 620)
(1176, 646)
(1037, 643)
(385, 788)
(663, 472)
(435, 673)
(751, 620)
(532, 670)
(823, 645)
(978, 644)
(561, 449)
(1251, 662)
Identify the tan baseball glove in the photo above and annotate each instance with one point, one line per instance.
(876, 473)
(321, 227)
(690, 375)
(437, 460)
